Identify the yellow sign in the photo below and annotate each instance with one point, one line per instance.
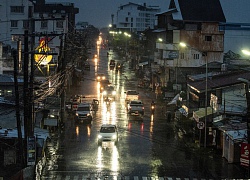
(42, 59)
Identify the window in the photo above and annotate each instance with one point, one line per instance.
(17, 9)
(128, 13)
(126, 19)
(208, 38)
(182, 55)
(59, 24)
(44, 24)
(13, 23)
(196, 56)
(26, 24)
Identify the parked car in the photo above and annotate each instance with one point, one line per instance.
(135, 107)
(84, 113)
(108, 133)
(131, 95)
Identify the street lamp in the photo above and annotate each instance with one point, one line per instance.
(126, 36)
(206, 87)
(173, 53)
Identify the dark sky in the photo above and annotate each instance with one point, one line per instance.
(98, 12)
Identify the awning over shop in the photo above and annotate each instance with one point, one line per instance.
(143, 63)
(202, 112)
(175, 99)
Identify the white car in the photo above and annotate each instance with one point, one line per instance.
(131, 95)
(108, 133)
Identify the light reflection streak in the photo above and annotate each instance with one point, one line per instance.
(113, 112)
(99, 164)
(77, 131)
(114, 160)
(151, 126)
(89, 131)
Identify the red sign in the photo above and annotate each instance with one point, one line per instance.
(244, 155)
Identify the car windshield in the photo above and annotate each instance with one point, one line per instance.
(132, 93)
(136, 102)
(107, 130)
(83, 109)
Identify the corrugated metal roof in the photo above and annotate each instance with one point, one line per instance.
(220, 80)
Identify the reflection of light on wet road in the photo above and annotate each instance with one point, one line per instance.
(114, 160)
(77, 131)
(98, 90)
(113, 113)
(114, 155)
(99, 164)
(89, 131)
(151, 126)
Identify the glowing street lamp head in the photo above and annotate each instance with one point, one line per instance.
(246, 52)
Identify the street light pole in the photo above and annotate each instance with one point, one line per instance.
(205, 138)
(206, 94)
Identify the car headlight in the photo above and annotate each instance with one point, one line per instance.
(104, 92)
(103, 78)
(98, 77)
(114, 137)
(88, 114)
(99, 136)
(77, 114)
(114, 93)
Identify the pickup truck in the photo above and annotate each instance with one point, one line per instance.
(135, 107)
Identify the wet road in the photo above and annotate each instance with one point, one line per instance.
(151, 148)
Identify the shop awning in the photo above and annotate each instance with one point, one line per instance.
(202, 112)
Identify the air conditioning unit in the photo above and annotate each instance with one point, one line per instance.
(223, 67)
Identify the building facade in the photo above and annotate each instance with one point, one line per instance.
(133, 17)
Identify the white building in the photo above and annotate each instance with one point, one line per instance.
(14, 18)
(136, 18)
(42, 20)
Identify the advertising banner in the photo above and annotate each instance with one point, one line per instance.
(244, 155)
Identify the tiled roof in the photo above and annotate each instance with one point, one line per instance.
(220, 80)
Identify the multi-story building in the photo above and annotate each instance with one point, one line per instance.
(198, 26)
(49, 21)
(133, 17)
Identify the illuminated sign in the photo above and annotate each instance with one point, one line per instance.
(43, 59)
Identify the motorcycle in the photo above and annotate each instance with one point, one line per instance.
(95, 104)
(152, 108)
(107, 101)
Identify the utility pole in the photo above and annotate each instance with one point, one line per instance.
(18, 120)
(26, 92)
